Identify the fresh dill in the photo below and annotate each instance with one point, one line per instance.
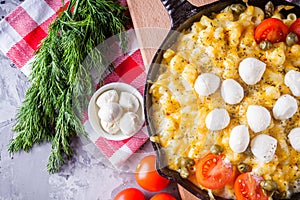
(60, 81)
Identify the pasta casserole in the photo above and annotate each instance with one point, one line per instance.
(226, 103)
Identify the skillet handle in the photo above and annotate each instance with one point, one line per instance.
(179, 11)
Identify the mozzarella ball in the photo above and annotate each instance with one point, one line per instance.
(110, 112)
(239, 138)
(110, 127)
(232, 92)
(294, 137)
(129, 102)
(217, 119)
(107, 97)
(207, 84)
(251, 70)
(263, 147)
(285, 107)
(258, 118)
(130, 123)
(292, 80)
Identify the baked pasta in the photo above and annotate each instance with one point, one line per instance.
(225, 103)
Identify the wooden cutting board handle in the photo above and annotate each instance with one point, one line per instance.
(185, 195)
(152, 14)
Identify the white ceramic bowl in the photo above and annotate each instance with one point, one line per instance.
(93, 110)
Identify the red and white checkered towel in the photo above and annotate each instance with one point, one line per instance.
(20, 35)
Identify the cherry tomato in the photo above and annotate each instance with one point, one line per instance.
(147, 176)
(295, 28)
(235, 174)
(213, 172)
(130, 194)
(247, 187)
(271, 29)
(163, 196)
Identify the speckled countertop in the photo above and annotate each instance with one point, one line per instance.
(23, 176)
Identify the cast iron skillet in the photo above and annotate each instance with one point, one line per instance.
(182, 15)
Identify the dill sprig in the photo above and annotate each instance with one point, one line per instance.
(51, 111)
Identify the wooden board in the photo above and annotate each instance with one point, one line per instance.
(151, 23)
(152, 14)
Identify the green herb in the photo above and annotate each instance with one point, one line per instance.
(61, 83)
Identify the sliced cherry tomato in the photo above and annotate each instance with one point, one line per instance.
(130, 194)
(163, 196)
(213, 172)
(247, 187)
(147, 176)
(295, 28)
(271, 29)
(235, 174)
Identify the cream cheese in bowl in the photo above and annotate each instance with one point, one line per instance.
(116, 111)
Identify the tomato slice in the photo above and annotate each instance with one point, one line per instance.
(213, 172)
(235, 174)
(295, 27)
(271, 29)
(247, 187)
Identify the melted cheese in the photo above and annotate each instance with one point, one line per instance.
(217, 46)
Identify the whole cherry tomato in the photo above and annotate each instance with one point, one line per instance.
(213, 172)
(295, 28)
(130, 194)
(247, 187)
(271, 29)
(163, 196)
(147, 176)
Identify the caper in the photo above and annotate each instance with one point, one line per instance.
(183, 162)
(265, 45)
(184, 172)
(248, 151)
(190, 162)
(243, 168)
(269, 9)
(216, 149)
(268, 185)
(237, 8)
(291, 39)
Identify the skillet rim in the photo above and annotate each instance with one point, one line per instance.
(179, 24)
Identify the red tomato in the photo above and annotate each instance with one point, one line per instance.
(130, 194)
(271, 29)
(147, 176)
(246, 187)
(213, 172)
(295, 27)
(235, 174)
(163, 196)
